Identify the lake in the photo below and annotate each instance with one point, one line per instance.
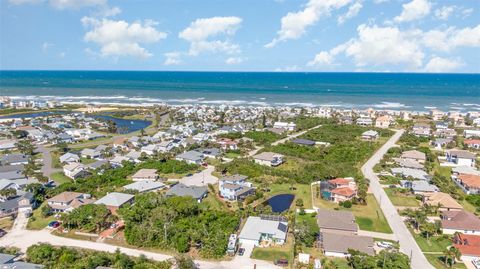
(280, 203)
(123, 125)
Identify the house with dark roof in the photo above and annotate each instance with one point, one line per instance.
(336, 221)
(461, 157)
(303, 142)
(337, 245)
(235, 187)
(23, 203)
(196, 192)
(115, 200)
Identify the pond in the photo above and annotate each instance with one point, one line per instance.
(123, 125)
(281, 202)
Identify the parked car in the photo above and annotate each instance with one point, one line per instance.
(476, 263)
(54, 224)
(2, 232)
(189, 175)
(282, 262)
(241, 251)
(384, 244)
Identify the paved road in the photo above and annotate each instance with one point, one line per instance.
(407, 242)
(47, 167)
(202, 178)
(21, 238)
(378, 235)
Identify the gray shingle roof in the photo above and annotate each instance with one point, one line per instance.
(337, 220)
(183, 190)
(115, 199)
(340, 243)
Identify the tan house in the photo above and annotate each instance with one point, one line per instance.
(145, 174)
(68, 201)
(383, 121)
(268, 159)
(414, 155)
(443, 200)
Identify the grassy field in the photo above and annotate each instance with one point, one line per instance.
(274, 253)
(37, 221)
(434, 244)
(369, 217)
(87, 160)
(60, 178)
(301, 191)
(400, 199)
(437, 262)
(6, 223)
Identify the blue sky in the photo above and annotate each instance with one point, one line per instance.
(246, 35)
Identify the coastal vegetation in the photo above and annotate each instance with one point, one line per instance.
(177, 223)
(69, 258)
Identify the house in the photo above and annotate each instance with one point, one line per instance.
(192, 157)
(227, 144)
(145, 186)
(383, 121)
(268, 159)
(22, 203)
(340, 190)
(414, 155)
(461, 157)
(118, 160)
(460, 221)
(418, 186)
(68, 201)
(7, 144)
(337, 245)
(364, 121)
(336, 221)
(115, 200)
(408, 163)
(197, 193)
(212, 153)
(97, 164)
(8, 261)
(443, 200)
(235, 187)
(13, 159)
(90, 153)
(370, 135)
(465, 170)
(149, 149)
(469, 183)
(410, 173)
(303, 142)
(272, 229)
(421, 130)
(471, 133)
(165, 146)
(120, 143)
(134, 156)
(440, 143)
(472, 143)
(468, 245)
(145, 174)
(74, 170)
(288, 126)
(69, 158)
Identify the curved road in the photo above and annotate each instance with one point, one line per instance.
(406, 240)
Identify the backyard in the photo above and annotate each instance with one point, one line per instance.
(402, 199)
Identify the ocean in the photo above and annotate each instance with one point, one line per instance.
(395, 91)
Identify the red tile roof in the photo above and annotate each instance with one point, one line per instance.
(470, 180)
(344, 191)
(340, 181)
(468, 244)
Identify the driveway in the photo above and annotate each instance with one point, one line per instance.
(407, 243)
(202, 178)
(47, 167)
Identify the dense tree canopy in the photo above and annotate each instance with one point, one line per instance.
(177, 223)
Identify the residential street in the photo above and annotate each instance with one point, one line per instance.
(202, 178)
(21, 238)
(407, 242)
(47, 167)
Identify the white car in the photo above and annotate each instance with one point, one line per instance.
(476, 263)
(384, 244)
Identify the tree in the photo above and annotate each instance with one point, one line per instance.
(184, 262)
(451, 255)
(25, 147)
(8, 193)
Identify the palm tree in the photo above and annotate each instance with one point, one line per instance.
(451, 254)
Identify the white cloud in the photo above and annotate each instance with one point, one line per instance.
(201, 31)
(353, 11)
(444, 12)
(321, 59)
(76, 4)
(414, 10)
(451, 38)
(466, 37)
(233, 60)
(467, 12)
(46, 46)
(294, 24)
(439, 65)
(107, 11)
(120, 38)
(172, 58)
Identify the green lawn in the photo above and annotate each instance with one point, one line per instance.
(434, 244)
(87, 160)
(437, 262)
(369, 217)
(59, 178)
(400, 199)
(6, 223)
(274, 253)
(37, 221)
(56, 159)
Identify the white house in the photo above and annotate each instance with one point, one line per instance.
(69, 158)
(268, 159)
(289, 126)
(461, 157)
(471, 133)
(74, 170)
(257, 229)
(235, 187)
